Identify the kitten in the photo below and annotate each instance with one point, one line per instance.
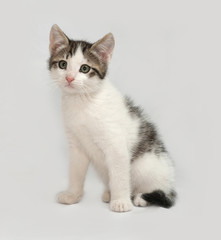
(107, 129)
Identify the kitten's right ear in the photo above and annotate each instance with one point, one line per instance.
(58, 39)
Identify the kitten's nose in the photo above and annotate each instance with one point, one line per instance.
(69, 79)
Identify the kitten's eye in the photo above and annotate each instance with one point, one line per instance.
(62, 64)
(85, 68)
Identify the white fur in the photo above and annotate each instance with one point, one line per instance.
(100, 130)
(139, 201)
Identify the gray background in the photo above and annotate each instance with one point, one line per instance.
(167, 58)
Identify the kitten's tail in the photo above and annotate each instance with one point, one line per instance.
(159, 198)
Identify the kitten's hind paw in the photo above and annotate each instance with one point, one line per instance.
(138, 201)
(106, 196)
(121, 205)
(67, 197)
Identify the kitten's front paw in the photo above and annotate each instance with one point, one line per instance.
(67, 197)
(121, 205)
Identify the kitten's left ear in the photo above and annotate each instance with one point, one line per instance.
(58, 39)
(103, 48)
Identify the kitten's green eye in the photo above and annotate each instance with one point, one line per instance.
(62, 64)
(85, 68)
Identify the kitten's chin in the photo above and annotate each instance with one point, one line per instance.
(74, 90)
(69, 89)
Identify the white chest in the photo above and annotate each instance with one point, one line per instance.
(83, 124)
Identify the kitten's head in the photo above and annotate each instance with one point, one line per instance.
(79, 66)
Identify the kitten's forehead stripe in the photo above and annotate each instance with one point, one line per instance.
(99, 68)
(73, 46)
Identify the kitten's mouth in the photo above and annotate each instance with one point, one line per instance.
(69, 86)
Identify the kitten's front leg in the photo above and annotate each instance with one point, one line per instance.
(77, 170)
(119, 181)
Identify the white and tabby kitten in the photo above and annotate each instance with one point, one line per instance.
(105, 128)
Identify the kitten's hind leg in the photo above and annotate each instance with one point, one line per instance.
(67, 197)
(153, 180)
(106, 196)
(157, 198)
(138, 201)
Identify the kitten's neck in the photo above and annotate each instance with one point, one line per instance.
(78, 98)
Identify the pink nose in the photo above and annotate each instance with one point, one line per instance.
(69, 79)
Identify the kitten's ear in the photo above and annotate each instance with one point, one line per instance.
(103, 48)
(58, 39)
